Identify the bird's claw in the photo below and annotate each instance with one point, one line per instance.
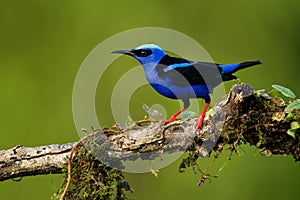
(200, 122)
(198, 127)
(172, 119)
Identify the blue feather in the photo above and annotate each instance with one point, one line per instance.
(229, 68)
(174, 66)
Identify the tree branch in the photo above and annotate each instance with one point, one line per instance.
(26, 161)
(244, 116)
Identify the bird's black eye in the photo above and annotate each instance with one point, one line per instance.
(142, 52)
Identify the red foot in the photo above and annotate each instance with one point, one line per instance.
(200, 121)
(172, 119)
(201, 116)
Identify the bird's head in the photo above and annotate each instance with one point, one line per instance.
(146, 54)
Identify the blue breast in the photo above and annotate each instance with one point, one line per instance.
(187, 92)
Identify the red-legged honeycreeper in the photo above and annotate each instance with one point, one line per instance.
(178, 78)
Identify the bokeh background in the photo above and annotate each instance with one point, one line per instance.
(43, 43)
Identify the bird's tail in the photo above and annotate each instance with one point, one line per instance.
(247, 64)
(228, 69)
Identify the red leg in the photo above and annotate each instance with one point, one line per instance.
(202, 115)
(173, 118)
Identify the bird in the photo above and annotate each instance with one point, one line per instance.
(182, 79)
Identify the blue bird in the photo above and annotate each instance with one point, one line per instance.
(178, 78)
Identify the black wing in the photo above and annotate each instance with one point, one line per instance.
(182, 72)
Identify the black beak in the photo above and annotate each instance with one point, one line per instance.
(125, 52)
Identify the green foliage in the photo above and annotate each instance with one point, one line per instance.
(285, 91)
(294, 127)
(287, 115)
(293, 105)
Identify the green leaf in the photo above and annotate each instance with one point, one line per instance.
(289, 117)
(291, 132)
(294, 105)
(295, 125)
(285, 91)
(273, 93)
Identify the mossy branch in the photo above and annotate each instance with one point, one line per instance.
(244, 117)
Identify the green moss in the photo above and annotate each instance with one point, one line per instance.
(90, 179)
(261, 121)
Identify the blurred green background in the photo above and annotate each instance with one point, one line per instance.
(43, 43)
